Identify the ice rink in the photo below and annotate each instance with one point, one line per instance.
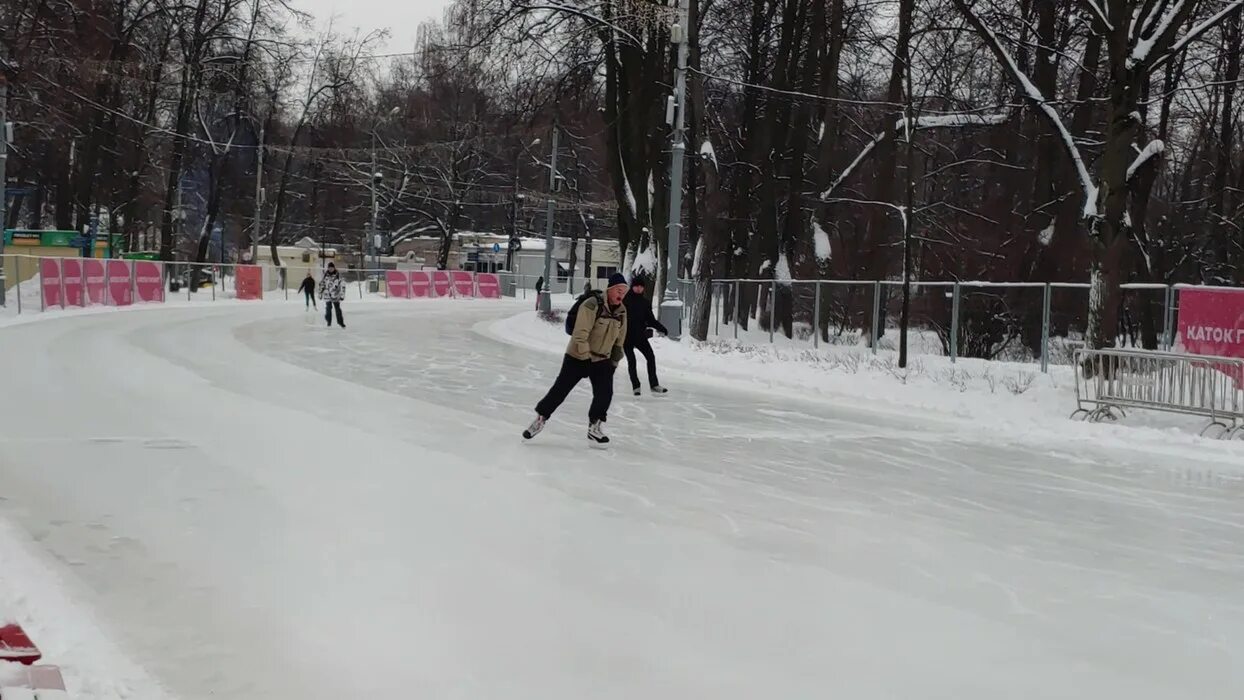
(253, 506)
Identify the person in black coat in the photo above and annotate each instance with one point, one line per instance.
(639, 320)
(308, 290)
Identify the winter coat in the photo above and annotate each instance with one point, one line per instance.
(308, 285)
(599, 334)
(332, 287)
(639, 318)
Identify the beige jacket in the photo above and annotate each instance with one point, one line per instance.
(598, 334)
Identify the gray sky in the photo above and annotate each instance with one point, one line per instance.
(400, 17)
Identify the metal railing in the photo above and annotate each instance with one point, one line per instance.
(1023, 321)
(1109, 381)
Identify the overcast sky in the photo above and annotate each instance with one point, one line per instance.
(400, 17)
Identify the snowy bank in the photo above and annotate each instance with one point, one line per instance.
(1013, 402)
(66, 633)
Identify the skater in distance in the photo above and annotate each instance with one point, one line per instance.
(308, 290)
(639, 319)
(597, 337)
(332, 291)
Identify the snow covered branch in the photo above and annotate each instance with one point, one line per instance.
(1153, 150)
(1199, 29)
(933, 121)
(1039, 100)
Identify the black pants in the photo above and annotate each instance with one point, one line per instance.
(328, 312)
(310, 298)
(645, 348)
(574, 371)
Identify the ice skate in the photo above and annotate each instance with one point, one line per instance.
(657, 389)
(534, 429)
(596, 434)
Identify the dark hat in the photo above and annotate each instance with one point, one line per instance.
(616, 279)
(639, 281)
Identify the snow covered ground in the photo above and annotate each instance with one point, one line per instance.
(234, 501)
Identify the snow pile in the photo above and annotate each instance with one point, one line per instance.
(707, 152)
(645, 262)
(820, 242)
(1015, 398)
(781, 272)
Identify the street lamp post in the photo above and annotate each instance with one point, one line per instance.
(671, 307)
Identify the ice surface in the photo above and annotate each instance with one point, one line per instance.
(280, 510)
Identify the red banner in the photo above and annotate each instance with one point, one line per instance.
(74, 282)
(396, 282)
(149, 280)
(440, 283)
(250, 282)
(489, 285)
(1211, 322)
(464, 283)
(120, 287)
(95, 280)
(49, 281)
(420, 284)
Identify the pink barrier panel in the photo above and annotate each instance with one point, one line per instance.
(149, 280)
(49, 280)
(1211, 322)
(397, 283)
(420, 284)
(489, 285)
(440, 283)
(250, 282)
(95, 280)
(120, 287)
(464, 284)
(72, 280)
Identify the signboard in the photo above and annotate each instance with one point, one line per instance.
(397, 284)
(149, 281)
(95, 281)
(420, 284)
(250, 282)
(120, 286)
(440, 283)
(489, 285)
(463, 283)
(1211, 322)
(49, 282)
(31, 238)
(72, 281)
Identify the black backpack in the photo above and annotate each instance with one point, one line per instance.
(573, 313)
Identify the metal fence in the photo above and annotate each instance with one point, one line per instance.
(1014, 321)
(1111, 381)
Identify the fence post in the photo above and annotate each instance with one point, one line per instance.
(736, 309)
(1168, 317)
(189, 282)
(816, 317)
(17, 263)
(86, 294)
(1045, 328)
(215, 281)
(876, 314)
(63, 305)
(720, 310)
(954, 323)
(43, 303)
(772, 308)
(107, 281)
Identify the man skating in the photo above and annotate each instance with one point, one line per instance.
(639, 319)
(332, 291)
(308, 290)
(595, 349)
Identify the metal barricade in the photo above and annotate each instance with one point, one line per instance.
(1109, 381)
